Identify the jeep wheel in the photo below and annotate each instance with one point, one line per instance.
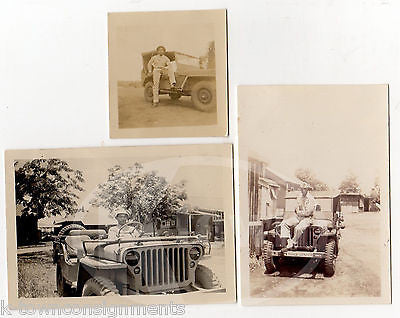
(63, 289)
(99, 286)
(175, 96)
(66, 229)
(268, 258)
(205, 278)
(204, 96)
(330, 258)
(148, 92)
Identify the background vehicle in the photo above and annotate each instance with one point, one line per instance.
(89, 264)
(191, 80)
(320, 241)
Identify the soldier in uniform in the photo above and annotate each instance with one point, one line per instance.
(128, 231)
(302, 219)
(160, 64)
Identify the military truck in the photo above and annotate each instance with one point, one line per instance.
(191, 80)
(320, 241)
(90, 264)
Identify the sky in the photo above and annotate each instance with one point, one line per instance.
(206, 171)
(332, 130)
(132, 41)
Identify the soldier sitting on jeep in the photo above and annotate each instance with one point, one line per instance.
(160, 64)
(122, 230)
(304, 213)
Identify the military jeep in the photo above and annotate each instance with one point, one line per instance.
(319, 242)
(191, 80)
(90, 264)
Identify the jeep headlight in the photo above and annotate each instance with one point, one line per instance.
(317, 231)
(132, 258)
(194, 253)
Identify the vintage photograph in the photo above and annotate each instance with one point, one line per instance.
(314, 194)
(168, 74)
(155, 223)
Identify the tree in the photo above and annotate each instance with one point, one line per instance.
(145, 195)
(306, 175)
(211, 55)
(350, 185)
(45, 187)
(376, 192)
(208, 60)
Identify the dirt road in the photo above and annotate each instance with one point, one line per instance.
(135, 112)
(357, 267)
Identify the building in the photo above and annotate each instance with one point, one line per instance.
(195, 221)
(267, 190)
(286, 186)
(326, 201)
(351, 202)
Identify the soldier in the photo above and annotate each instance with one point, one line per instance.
(160, 64)
(128, 231)
(304, 212)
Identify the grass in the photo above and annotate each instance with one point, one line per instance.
(36, 275)
(255, 262)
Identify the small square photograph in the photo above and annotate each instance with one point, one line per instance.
(168, 74)
(314, 194)
(130, 225)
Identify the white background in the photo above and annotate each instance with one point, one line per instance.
(54, 83)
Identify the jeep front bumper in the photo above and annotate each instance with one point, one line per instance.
(303, 254)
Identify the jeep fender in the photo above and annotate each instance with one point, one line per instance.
(190, 80)
(90, 267)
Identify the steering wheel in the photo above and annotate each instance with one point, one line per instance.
(140, 228)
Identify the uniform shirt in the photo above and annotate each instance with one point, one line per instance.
(305, 205)
(158, 61)
(127, 232)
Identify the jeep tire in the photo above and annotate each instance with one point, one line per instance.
(99, 286)
(148, 92)
(268, 259)
(204, 96)
(330, 258)
(63, 289)
(205, 278)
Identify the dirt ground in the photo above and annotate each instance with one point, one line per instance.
(37, 273)
(357, 268)
(216, 262)
(135, 112)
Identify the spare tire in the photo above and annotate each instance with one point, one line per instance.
(66, 229)
(99, 286)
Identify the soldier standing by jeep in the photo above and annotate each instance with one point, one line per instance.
(160, 64)
(304, 213)
(122, 218)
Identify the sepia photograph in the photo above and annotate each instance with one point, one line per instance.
(314, 194)
(154, 223)
(168, 74)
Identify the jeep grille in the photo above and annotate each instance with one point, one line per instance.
(306, 239)
(164, 267)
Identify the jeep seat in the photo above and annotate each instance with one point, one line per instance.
(93, 234)
(74, 244)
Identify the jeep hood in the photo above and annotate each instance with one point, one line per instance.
(114, 251)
